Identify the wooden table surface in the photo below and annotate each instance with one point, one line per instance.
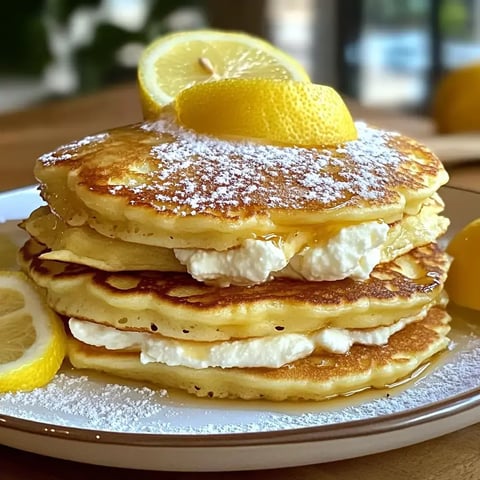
(25, 135)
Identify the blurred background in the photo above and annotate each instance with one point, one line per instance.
(384, 53)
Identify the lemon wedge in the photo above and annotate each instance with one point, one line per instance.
(180, 60)
(463, 282)
(285, 112)
(32, 338)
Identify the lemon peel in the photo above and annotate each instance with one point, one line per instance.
(284, 112)
(32, 337)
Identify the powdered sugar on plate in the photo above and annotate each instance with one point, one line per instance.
(87, 403)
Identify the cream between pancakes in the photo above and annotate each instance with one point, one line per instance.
(269, 352)
(352, 253)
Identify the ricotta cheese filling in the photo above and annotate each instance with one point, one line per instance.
(270, 352)
(352, 253)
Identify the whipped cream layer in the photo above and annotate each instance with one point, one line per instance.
(270, 352)
(352, 253)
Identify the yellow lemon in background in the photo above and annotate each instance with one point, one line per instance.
(180, 60)
(32, 338)
(285, 112)
(463, 282)
(456, 102)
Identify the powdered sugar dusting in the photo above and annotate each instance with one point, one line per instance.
(89, 403)
(239, 173)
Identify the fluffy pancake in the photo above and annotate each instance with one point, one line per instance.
(175, 305)
(159, 184)
(85, 246)
(316, 377)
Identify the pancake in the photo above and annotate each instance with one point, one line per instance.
(316, 377)
(85, 246)
(175, 305)
(160, 184)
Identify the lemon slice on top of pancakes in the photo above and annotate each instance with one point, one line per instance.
(181, 60)
(32, 337)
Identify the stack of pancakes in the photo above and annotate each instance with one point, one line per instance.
(229, 268)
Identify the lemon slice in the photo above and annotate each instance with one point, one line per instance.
(180, 60)
(463, 282)
(32, 338)
(286, 112)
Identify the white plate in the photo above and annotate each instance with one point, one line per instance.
(93, 419)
